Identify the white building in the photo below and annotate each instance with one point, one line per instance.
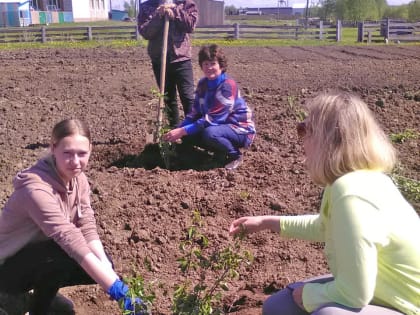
(57, 11)
(89, 10)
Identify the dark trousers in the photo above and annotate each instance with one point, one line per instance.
(222, 140)
(43, 267)
(179, 77)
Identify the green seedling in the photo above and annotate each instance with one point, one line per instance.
(244, 195)
(156, 93)
(207, 270)
(291, 102)
(404, 136)
(298, 112)
(138, 288)
(410, 188)
(301, 115)
(166, 149)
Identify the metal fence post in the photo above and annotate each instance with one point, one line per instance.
(89, 33)
(360, 32)
(137, 33)
(43, 34)
(321, 24)
(236, 30)
(338, 29)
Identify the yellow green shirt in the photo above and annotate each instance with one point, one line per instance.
(372, 244)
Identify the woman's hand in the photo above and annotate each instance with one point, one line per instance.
(174, 135)
(254, 224)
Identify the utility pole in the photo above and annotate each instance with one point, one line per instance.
(280, 3)
(306, 13)
(137, 9)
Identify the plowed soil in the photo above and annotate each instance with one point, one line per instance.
(144, 208)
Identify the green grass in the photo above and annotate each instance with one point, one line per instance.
(409, 187)
(268, 42)
(95, 23)
(263, 21)
(401, 137)
(349, 37)
(196, 42)
(78, 45)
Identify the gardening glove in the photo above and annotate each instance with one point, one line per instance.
(118, 291)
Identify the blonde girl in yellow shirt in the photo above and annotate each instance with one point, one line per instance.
(371, 233)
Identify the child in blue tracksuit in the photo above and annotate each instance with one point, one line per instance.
(220, 119)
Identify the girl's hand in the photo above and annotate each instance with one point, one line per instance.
(254, 224)
(174, 135)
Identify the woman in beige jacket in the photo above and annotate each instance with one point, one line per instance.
(48, 234)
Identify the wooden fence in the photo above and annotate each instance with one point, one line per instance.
(46, 34)
(58, 34)
(237, 31)
(388, 30)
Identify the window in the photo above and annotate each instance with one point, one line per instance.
(54, 5)
(35, 4)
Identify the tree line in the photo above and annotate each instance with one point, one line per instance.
(356, 10)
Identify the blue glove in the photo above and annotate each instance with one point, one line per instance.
(118, 291)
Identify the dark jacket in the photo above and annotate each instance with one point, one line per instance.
(150, 26)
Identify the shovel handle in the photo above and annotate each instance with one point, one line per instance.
(162, 78)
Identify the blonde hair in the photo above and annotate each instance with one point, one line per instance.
(344, 137)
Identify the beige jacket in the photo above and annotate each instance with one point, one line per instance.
(41, 208)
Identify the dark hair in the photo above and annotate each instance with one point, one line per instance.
(212, 52)
(69, 127)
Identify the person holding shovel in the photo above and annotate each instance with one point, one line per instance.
(371, 233)
(48, 233)
(182, 16)
(220, 120)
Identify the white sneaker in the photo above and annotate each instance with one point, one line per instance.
(234, 164)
